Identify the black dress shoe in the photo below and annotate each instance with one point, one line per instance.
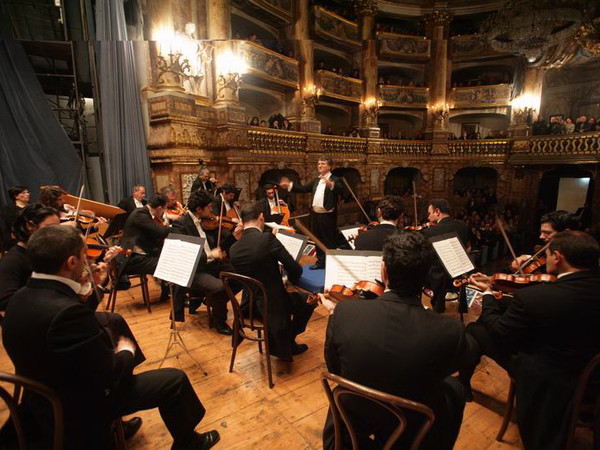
(194, 305)
(223, 328)
(165, 292)
(299, 349)
(131, 426)
(317, 266)
(200, 441)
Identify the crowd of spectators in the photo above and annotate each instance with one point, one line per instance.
(558, 125)
(476, 135)
(276, 121)
(354, 73)
(487, 79)
(382, 80)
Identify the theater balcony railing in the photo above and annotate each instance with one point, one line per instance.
(486, 148)
(275, 12)
(576, 148)
(334, 29)
(267, 141)
(481, 96)
(471, 46)
(404, 96)
(398, 148)
(338, 86)
(403, 46)
(269, 65)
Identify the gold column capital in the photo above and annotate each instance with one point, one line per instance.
(365, 7)
(438, 18)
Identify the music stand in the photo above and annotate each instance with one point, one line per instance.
(177, 265)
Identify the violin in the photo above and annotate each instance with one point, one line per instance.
(363, 228)
(175, 209)
(212, 222)
(420, 227)
(361, 289)
(505, 282)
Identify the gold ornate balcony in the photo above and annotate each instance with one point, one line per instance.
(267, 141)
(270, 65)
(392, 148)
(337, 86)
(404, 96)
(487, 148)
(570, 148)
(392, 44)
(471, 46)
(332, 27)
(274, 12)
(481, 96)
(342, 145)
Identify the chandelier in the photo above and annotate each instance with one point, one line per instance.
(531, 27)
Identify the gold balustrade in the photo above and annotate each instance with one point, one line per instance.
(332, 27)
(393, 44)
(270, 65)
(390, 147)
(481, 96)
(488, 148)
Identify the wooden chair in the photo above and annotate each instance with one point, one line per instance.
(20, 383)
(112, 292)
(251, 287)
(394, 404)
(590, 407)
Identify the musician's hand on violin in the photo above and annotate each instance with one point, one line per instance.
(476, 280)
(99, 272)
(282, 203)
(516, 263)
(217, 253)
(101, 219)
(111, 253)
(125, 344)
(328, 304)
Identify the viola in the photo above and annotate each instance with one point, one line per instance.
(505, 282)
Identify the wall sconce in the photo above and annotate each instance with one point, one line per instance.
(441, 114)
(310, 99)
(230, 68)
(370, 113)
(524, 107)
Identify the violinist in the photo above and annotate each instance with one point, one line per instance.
(258, 255)
(269, 204)
(19, 199)
(212, 263)
(204, 181)
(389, 210)
(227, 198)
(545, 337)
(550, 224)
(174, 210)
(54, 197)
(394, 345)
(137, 199)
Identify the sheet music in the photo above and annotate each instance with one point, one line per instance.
(278, 227)
(349, 266)
(348, 232)
(178, 259)
(294, 244)
(453, 255)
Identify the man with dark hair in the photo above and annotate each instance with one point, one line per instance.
(270, 205)
(137, 199)
(228, 192)
(394, 345)
(258, 255)
(326, 190)
(388, 212)
(545, 337)
(438, 212)
(64, 347)
(212, 263)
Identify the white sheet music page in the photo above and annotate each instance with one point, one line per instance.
(178, 260)
(349, 266)
(293, 244)
(453, 256)
(349, 232)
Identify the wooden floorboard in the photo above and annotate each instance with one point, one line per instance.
(248, 414)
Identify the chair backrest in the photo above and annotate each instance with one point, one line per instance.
(392, 403)
(580, 399)
(252, 289)
(22, 383)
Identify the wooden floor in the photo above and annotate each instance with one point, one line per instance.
(246, 412)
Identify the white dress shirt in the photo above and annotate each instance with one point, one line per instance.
(202, 234)
(319, 197)
(79, 289)
(138, 204)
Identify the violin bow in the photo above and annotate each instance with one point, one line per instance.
(414, 186)
(220, 219)
(356, 199)
(535, 255)
(500, 225)
(277, 198)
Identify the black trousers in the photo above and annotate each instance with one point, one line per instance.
(324, 227)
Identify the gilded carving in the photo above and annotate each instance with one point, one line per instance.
(330, 24)
(365, 7)
(404, 96)
(482, 95)
(406, 46)
(270, 64)
(187, 180)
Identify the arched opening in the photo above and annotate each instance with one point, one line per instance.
(479, 126)
(399, 181)
(261, 104)
(338, 117)
(474, 180)
(568, 188)
(399, 125)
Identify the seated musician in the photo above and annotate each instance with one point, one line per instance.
(545, 338)
(269, 205)
(550, 224)
(394, 345)
(204, 181)
(64, 347)
(257, 255)
(16, 268)
(389, 210)
(206, 280)
(137, 199)
(54, 197)
(174, 210)
(144, 233)
(228, 192)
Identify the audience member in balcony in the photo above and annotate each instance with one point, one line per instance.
(286, 125)
(464, 136)
(356, 74)
(591, 124)
(328, 130)
(275, 124)
(556, 127)
(581, 124)
(254, 122)
(263, 124)
(381, 80)
(354, 132)
(478, 135)
(539, 127)
(321, 65)
(569, 125)
(254, 38)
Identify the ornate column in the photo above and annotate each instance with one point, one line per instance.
(526, 107)
(438, 109)
(307, 97)
(227, 66)
(369, 107)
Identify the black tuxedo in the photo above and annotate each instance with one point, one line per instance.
(15, 270)
(128, 204)
(8, 215)
(140, 230)
(258, 255)
(266, 209)
(394, 345)
(374, 238)
(438, 278)
(206, 186)
(54, 339)
(324, 225)
(206, 279)
(544, 339)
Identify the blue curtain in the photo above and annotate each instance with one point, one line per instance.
(123, 139)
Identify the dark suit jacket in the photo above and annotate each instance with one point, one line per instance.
(266, 209)
(185, 225)
(330, 200)
(128, 204)
(449, 225)
(394, 345)
(8, 215)
(198, 185)
(257, 255)
(15, 270)
(554, 331)
(54, 339)
(142, 231)
(373, 239)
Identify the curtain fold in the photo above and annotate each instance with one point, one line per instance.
(123, 139)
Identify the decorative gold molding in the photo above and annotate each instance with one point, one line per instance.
(365, 7)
